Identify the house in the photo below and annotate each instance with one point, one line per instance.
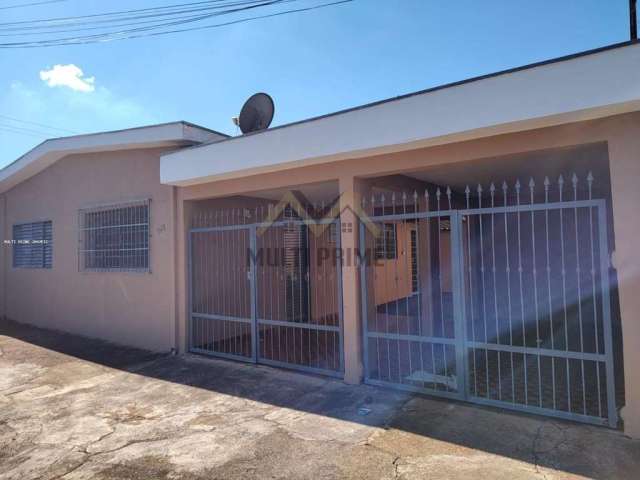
(474, 241)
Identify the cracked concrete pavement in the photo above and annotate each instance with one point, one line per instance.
(73, 408)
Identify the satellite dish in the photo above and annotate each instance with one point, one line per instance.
(256, 113)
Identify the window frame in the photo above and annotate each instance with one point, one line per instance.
(15, 245)
(382, 247)
(83, 230)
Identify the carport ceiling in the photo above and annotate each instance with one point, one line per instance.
(524, 166)
(313, 192)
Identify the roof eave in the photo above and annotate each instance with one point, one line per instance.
(174, 134)
(599, 84)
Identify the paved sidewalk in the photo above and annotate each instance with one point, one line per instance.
(72, 408)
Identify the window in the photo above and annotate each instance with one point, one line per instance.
(386, 242)
(115, 238)
(32, 245)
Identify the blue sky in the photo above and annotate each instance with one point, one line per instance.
(311, 63)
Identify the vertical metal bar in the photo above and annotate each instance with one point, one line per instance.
(300, 283)
(524, 336)
(238, 281)
(439, 266)
(457, 270)
(469, 271)
(396, 261)
(227, 297)
(253, 294)
(207, 280)
(386, 304)
(484, 294)
(492, 190)
(546, 221)
(292, 301)
(318, 241)
(508, 272)
(365, 301)
(288, 280)
(244, 273)
(189, 290)
(564, 291)
(574, 180)
(281, 285)
(535, 289)
(330, 304)
(439, 228)
(339, 287)
(207, 260)
(263, 296)
(407, 257)
(333, 299)
(202, 273)
(612, 412)
(419, 284)
(273, 278)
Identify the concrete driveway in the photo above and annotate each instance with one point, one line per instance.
(72, 408)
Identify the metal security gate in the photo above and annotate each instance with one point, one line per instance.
(494, 299)
(267, 292)
(221, 290)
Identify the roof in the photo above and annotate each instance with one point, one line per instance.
(583, 86)
(50, 151)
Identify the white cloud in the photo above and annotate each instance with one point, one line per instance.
(70, 76)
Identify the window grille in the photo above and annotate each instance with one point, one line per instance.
(115, 237)
(386, 242)
(33, 245)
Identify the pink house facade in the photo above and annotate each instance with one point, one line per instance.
(475, 241)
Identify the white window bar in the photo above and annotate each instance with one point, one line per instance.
(115, 237)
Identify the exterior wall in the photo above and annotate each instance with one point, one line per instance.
(3, 250)
(624, 154)
(130, 308)
(619, 132)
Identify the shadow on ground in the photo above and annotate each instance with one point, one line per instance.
(303, 426)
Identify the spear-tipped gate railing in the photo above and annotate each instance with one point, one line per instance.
(495, 293)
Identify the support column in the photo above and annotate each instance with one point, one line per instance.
(624, 158)
(351, 190)
(183, 219)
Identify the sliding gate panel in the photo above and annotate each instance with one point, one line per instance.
(298, 296)
(409, 313)
(538, 327)
(506, 306)
(269, 293)
(220, 292)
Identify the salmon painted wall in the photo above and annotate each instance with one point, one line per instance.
(130, 308)
(3, 249)
(619, 132)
